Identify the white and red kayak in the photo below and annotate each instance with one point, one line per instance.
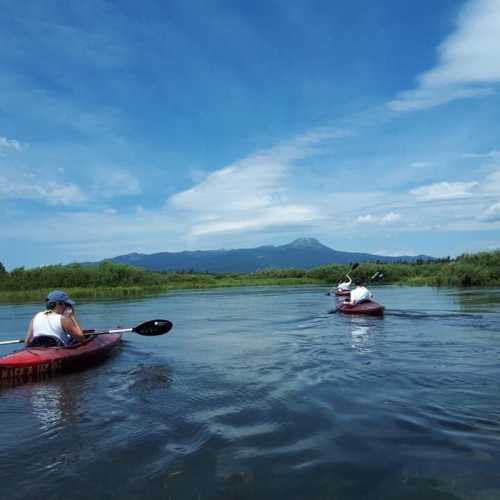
(31, 363)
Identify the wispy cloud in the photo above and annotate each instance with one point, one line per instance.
(490, 154)
(51, 193)
(443, 191)
(6, 143)
(389, 218)
(396, 253)
(253, 192)
(492, 214)
(491, 184)
(468, 62)
(289, 215)
(110, 182)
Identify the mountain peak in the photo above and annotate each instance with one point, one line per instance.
(304, 243)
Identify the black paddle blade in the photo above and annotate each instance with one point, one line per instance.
(354, 266)
(153, 327)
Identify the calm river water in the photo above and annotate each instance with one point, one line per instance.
(259, 393)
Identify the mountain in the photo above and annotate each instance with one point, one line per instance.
(302, 253)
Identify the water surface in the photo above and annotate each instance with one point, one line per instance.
(261, 393)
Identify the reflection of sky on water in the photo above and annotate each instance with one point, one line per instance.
(47, 403)
(54, 405)
(360, 335)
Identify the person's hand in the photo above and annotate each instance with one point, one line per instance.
(69, 312)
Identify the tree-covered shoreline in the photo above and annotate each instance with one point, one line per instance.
(112, 280)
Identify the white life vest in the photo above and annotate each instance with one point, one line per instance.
(360, 294)
(48, 323)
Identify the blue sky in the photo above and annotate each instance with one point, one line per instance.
(167, 126)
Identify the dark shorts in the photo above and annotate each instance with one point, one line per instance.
(46, 341)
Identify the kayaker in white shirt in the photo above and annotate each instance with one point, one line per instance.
(360, 294)
(57, 325)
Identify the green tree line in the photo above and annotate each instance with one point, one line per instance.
(479, 269)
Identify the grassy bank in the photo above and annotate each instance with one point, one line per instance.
(117, 292)
(110, 280)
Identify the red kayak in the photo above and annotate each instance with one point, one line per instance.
(370, 307)
(32, 363)
(343, 293)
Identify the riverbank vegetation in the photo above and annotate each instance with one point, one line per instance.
(110, 279)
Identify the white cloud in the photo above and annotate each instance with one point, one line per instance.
(51, 193)
(9, 144)
(491, 183)
(273, 216)
(252, 193)
(443, 191)
(492, 214)
(424, 98)
(366, 219)
(396, 253)
(389, 218)
(490, 154)
(110, 182)
(468, 62)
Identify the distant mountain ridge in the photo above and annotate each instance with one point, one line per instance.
(302, 253)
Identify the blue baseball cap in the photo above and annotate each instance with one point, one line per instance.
(59, 296)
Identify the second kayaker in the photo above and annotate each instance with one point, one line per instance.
(360, 294)
(57, 324)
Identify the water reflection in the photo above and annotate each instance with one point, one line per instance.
(47, 406)
(260, 395)
(477, 299)
(361, 333)
(53, 405)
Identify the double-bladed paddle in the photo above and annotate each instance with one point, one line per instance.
(148, 329)
(354, 266)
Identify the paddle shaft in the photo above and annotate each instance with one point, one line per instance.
(149, 329)
(7, 342)
(85, 332)
(106, 332)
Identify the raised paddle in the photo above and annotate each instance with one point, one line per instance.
(148, 329)
(354, 266)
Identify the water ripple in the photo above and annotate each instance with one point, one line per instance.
(258, 393)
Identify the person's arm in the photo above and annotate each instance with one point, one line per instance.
(29, 334)
(71, 326)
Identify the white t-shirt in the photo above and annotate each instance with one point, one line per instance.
(49, 323)
(360, 294)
